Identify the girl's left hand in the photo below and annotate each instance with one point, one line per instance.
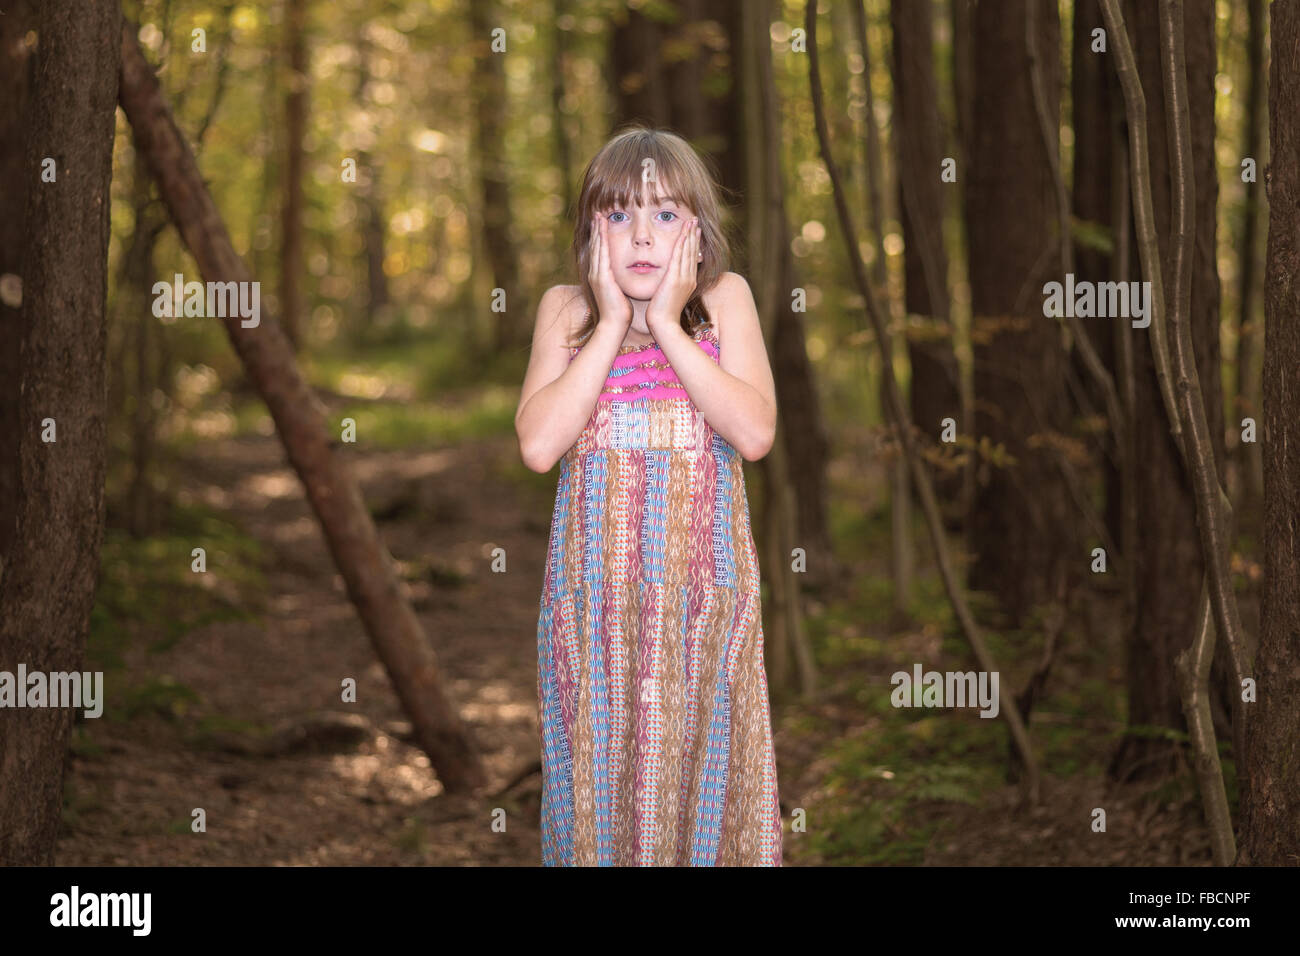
(665, 309)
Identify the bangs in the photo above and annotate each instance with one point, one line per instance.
(617, 182)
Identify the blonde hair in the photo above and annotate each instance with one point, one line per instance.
(613, 178)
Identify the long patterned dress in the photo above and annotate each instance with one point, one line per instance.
(652, 696)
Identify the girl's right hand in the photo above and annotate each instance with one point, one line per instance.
(612, 304)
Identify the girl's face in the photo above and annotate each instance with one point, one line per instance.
(641, 242)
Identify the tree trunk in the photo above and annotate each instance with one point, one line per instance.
(295, 127)
(936, 377)
(1247, 399)
(1092, 80)
(963, 75)
(561, 23)
(1168, 562)
(360, 556)
(134, 316)
(1019, 529)
(372, 201)
(16, 77)
(48, 584)
(871, 147)
(766, 223)
(1270, 807)
(494, 181)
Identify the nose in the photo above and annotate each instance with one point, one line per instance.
(641, 233)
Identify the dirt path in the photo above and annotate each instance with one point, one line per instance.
(352, 790)
(347, 794)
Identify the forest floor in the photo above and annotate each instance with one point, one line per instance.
(239, 711)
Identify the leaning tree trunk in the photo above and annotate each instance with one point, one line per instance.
(360, 556)
(1270, 807)
(48, 584)
(1019, 529)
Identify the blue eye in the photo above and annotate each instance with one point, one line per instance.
(613, 214)
(667, 213)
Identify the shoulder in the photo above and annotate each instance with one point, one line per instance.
(728, 287)
(565, 303)
(729, 295)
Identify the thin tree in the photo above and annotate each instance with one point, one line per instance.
(1169, 560)
(935, 386)
(490, 103)
(767, 234)
(295, 129)
(1181, 392)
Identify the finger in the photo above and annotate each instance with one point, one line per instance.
(675, 259)
(683, 252)
(601, 250)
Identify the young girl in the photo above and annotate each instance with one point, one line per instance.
(650, 382)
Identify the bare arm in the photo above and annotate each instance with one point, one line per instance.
(559, 396)
(738, 396)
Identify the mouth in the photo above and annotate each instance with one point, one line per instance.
(642, 268)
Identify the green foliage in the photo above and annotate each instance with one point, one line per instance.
(1092, 235)
(148, 593)
(161, 696)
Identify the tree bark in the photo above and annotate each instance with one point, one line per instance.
(360, 556)
(1019, 529)
(295, 124)
(16, 77)
(48, 584)
(494, 181)
(372, 198)
(936, 377)
(1270, 806)
(963, 75)
(1247, 384)
(561, 23)
(1091, 82)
